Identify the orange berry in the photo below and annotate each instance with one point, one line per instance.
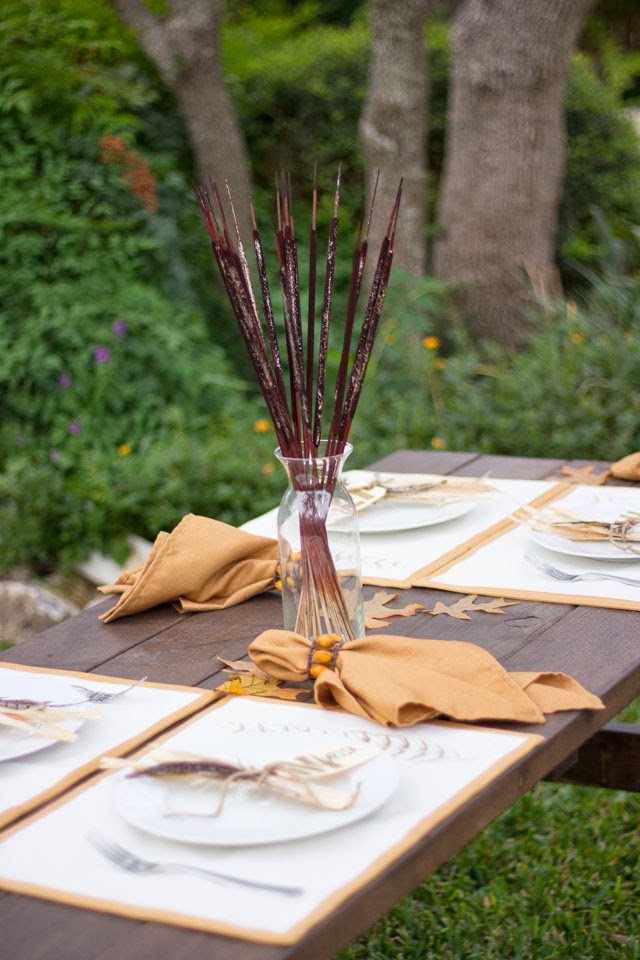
(322, 656)
(327, 639)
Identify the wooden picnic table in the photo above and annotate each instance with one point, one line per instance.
(599, 647)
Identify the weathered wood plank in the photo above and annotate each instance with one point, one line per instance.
(611, 758)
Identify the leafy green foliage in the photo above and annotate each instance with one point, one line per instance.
(573, 393)
(600, 209)
(298, 86)
(112, 393)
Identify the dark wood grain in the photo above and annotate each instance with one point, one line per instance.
(599, 647)
(611, 758)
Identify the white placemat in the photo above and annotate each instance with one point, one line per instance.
(498, 567)
(439, 766)
(123, 724)
(393, 558)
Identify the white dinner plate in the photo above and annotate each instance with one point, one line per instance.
(392, 517)
(591, 549)
(18, 743)
(249, 816)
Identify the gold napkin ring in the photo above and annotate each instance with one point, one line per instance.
(323, 653)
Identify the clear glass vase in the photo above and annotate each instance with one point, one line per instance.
(319, 546)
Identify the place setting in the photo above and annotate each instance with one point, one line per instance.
(240, 801)
(584, 547)
(56, 725)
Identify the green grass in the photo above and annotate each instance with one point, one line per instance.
(554, 877)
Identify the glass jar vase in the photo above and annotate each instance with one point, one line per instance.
(319, 546)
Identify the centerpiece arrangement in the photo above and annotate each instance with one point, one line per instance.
(318, 598)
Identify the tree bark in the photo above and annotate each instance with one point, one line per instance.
(505, 158)
(393, 126)
(185, 46)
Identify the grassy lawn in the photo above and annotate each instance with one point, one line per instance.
(554, 877)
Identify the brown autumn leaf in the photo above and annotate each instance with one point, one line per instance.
(243, 668)
(460, 607)
(377, 614)
(256, 687)
(586, 474)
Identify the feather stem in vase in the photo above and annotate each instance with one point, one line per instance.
(325, 321)
(267, 304)
(311, 298)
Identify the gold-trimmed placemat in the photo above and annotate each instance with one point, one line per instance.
(494, 564)
(122, 725)
(440, 766)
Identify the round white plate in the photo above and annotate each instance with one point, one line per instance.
(18, 743)
(393, 517)
(605, 512)
(250, 817)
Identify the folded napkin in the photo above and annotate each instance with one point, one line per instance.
(202, 564)
(399, 681)
(628, 468)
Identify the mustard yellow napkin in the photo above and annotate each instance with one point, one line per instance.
(202, 564)
(399, 681)
(628, 468)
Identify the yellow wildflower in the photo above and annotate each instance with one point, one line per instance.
(262, 426)
(431, 343)
(437, 443)
(440, 363)
(577, 336)
(268, 468)
(124, 450)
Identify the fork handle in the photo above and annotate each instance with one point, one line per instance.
(239, 881)
(611, 576)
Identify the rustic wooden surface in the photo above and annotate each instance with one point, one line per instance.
(599, 647)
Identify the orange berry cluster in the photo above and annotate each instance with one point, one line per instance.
(323, 653)
(292, 573)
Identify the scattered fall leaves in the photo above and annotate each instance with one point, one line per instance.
(244, 686)
(377, 615)
(460, 607)
(587, 474)
(246, 679)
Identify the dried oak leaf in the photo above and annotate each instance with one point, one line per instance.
(377, 615)
(257, 687)
(460, 607)
(243, 668)
(586, 474)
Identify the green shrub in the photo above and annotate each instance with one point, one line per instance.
(575, 391)
(600, 209)
(117, 411)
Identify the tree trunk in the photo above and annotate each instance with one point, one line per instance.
(185, 46)
(393, 127)
(505, 158)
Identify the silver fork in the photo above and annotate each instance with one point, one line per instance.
(133, 864)
(104, 696)
(551, 571)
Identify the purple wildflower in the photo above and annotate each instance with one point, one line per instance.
(20, 441)
(119, 327)
(55, 455)
(75, 427)
(64, 381)
(102, 355)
